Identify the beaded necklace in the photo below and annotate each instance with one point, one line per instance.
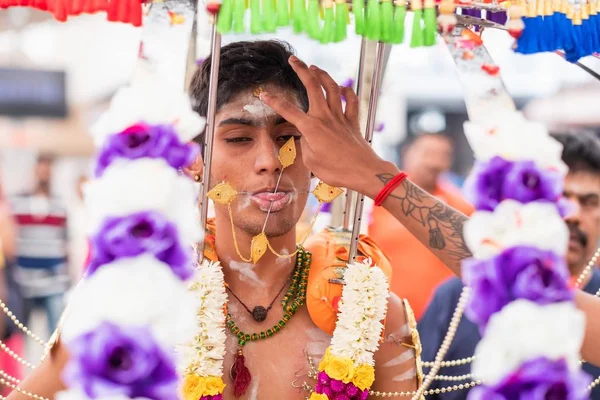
(294, 298)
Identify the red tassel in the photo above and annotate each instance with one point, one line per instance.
(76, 7)
(135, 12)
(112, 11)
(60, 10)
(123, 11)
(241, 375)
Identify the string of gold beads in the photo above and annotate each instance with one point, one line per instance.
(20, 325)
(18, 389)
(452, 377)
(588, 268)
(427, 392)
(451, 363)
(594, 384)
(14, 380)
(15, 356)
(294, 298)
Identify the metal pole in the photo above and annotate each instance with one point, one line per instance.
(215, 61)
(372, 112)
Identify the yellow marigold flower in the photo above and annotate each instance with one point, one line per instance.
(213, 386)
(193, 387)
(364, 376)
(316, 396)
(339, 368)
(325, 360)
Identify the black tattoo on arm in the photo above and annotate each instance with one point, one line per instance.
(445, 224)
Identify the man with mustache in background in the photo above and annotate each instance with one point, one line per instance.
(581, 153)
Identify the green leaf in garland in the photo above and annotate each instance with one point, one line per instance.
(283, 13)
(341, 20)
(256, 25)
(399, 19)
(327, 34)
(358, 9)
(429, 18)
(387, 20)
(416, 39)
(299, 15)
(225, 17)
(269, 16)
(239, 12)
(312, 20)
(373, 20)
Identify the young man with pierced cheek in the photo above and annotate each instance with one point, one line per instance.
(248, 137)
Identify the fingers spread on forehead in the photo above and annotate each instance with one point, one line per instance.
(352, 108)
(289, 111)
(332, 90)
(316, 99)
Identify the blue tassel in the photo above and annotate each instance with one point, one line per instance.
(528, 42)
(576, 51)
(595, 29)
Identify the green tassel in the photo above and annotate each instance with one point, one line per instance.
(239, 11)
(358, 9)
(341, 21)
(373, 20)
(283, 13)
(269, 16)
(256, 25)
(299, 18)
(327, 34)
(225, 17)
(387, 20)
(312, 20)
(429, 18)
(416, 39)
(398, 27)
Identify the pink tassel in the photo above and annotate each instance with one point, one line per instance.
(241, 375)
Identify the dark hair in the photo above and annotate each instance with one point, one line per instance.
(412, 139)
(581, 150)
(45, 158)
(247, 65)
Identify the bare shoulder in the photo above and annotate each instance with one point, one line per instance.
(397, 362)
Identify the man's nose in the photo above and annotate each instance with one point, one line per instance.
(267, 157)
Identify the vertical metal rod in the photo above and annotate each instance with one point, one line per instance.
(215, 61)
(372, 112)
(359, 86)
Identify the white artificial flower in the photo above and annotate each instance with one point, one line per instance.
(361, 311)
(140, 291)
(76, 394)
(144, 185)
(524, 330)
(153, 104)
(510, 136)
(204, 354)
(512, 224)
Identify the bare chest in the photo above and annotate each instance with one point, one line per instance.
(279, 365)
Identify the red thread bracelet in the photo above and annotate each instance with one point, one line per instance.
(389, 188)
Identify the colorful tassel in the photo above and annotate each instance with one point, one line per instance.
(387, 20)
(256, 25)
(269, 16)
(373, 20)
(358, 9)
(283, 13)
(327, 34)
(225, 20)
(399, 18)
(238, 13)
(312, 20)
(417, 39)
(241, 375)
(341, 20)
(429, 19)
(299, 15)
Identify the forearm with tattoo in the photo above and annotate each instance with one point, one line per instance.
(437, 225)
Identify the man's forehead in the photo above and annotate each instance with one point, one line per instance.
(582, 183)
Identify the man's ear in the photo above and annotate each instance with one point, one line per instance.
(195, 169)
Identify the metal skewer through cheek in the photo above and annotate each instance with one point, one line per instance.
(271, 204)
(370, 128)
(210, 127)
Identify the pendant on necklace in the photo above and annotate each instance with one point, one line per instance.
(259, 313)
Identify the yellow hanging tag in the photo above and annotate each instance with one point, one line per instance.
(222, 193)
(326, 193)
(287, 153)
(258, 247)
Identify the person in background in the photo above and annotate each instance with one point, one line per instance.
(41, 270)
(417, 271)
(581, 153)
(78, 243)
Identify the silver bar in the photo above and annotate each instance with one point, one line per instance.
(215, 60)
(372, 112)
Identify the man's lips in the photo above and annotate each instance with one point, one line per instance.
(274, 201)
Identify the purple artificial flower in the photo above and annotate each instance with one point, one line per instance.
(364, 394)
(517, 273)
(496, 180)
(327, 392)
(135, 234)
(324, 378)
(337, 386)
(215, 397)
(115, 360)
(537, 379)
(379, 127)
(348, 83)
(146, 141)
(341, 396)
(351, 390)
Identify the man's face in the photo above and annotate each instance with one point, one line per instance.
(583, 189)
(427, 158)
(248, 137)
(43, 172)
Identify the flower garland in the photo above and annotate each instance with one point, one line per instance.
(347, 368)
(522, 302)
(133, 306)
